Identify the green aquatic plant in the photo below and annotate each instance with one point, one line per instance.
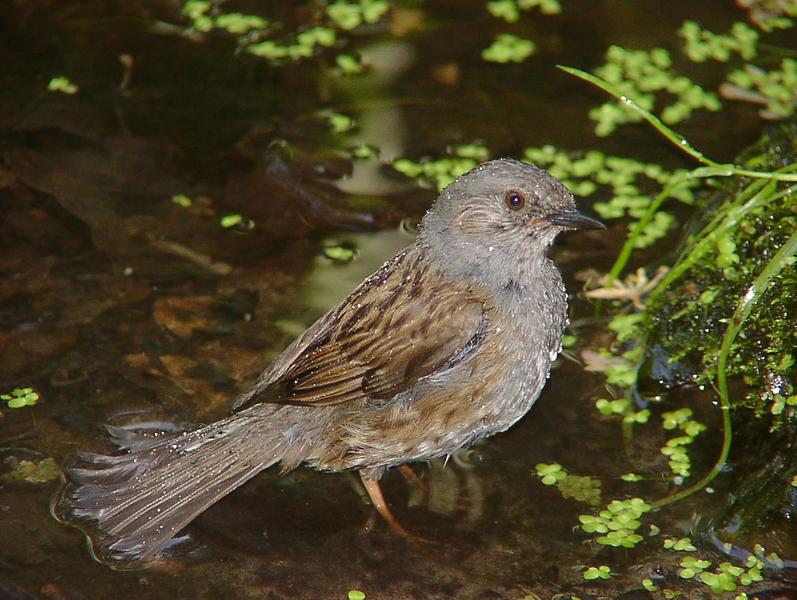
(638, 416)
(641, 75)
(701, 45)
(349, 64)
(237, 223)
(551, 474)
(690, 567)
(775, 89)
(617, 524)
(577, 487)
(581, 488)
(258, 36)
(363, 151)
(508, 48)
(646, 77)
(773, 14)
(547, 7)
(197, 12)
(648, 585)
(238, 24)
(683, 544)
(350, 15)
(675, 448)
(601, 572)
(726, 577)
(340, 254)
(619, 406)
(63, 85)
(441, 172)
(307, 43)
(203, 18)
(228, 221)
(340, 123)
(20, 397)
(510, 10)
(182, 200)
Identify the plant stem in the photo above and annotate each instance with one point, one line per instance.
(679, 141)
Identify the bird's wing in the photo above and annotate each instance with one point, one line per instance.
(405, 322)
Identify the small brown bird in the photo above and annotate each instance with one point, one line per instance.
(448, 342)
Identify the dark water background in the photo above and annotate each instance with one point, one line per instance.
(119, 306)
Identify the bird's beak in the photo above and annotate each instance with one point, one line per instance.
(572, 219)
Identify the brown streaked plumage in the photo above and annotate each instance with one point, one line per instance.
(449, 342)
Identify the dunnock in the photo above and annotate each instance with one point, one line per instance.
(448, 342)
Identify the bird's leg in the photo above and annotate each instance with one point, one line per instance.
(378, 500)
(416, 482)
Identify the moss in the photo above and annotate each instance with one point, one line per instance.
(741, 229)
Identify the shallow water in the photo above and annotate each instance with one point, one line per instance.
(119, 306)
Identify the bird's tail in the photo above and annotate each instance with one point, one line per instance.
(140, 499)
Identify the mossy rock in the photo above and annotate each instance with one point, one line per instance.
(687, 318)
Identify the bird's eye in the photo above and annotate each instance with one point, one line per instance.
(515, 200)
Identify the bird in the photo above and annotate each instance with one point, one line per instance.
(447, 343)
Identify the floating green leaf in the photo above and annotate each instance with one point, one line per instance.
(181, 200)
(551, 474)
(601, 572)
(640, 75)
(680, 545)
(364, 151)
(237, 23)
(341, 253)
(618, 521)
(702, 45)
(508, 48)
(20, 397)
(443, 171)
(63, 85)
(349, 65)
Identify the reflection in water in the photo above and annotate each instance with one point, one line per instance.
(328, 283)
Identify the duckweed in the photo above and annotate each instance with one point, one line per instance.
(618, 522)
(683, 544)
(640, 75)
(182, 200)
(20, 397)
(443, 171)
(701, 44)
(508, 48)
(63, 85)
(510, 10)
(601, 572)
